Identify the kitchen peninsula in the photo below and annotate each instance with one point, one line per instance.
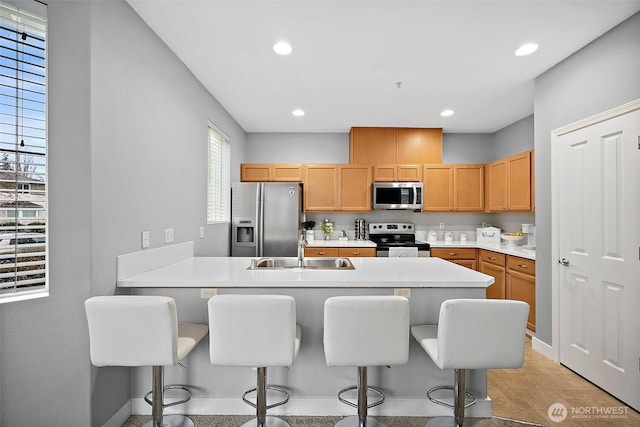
(174, 271)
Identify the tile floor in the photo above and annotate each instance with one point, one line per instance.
(526, 394)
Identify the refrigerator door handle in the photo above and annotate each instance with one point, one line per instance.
(260, 219)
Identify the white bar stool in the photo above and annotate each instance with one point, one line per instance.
(257, 331)
(363, 331)
(472, 334)
(143, 331)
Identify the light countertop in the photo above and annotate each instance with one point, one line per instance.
(370, 272)
(515, 250)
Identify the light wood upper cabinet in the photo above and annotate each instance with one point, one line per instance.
(438, 188)
(376, 145)
(458, 188)
(419, 145)
(265, 172)
(354, 188)
(320, 187)
(330, 187)
(371, 145)
(393, 173)
(509, 183)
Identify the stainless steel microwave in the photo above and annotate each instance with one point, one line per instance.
(397, 195)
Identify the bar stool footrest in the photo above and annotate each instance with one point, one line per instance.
(273, 405)
(443, 403)
(148, 397)
(369, 405)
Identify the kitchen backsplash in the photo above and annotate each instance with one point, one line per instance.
(455, 223)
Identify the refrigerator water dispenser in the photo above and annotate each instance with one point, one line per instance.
(244, 232)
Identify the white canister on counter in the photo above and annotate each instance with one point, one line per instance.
(463, 237)
(310, 236)
(448, 236)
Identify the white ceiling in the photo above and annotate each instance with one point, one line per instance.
(348, 55)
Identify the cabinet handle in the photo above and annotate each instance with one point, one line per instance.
(320, 252)
(453, 253)
(501, 270)
(356, 253)
(523, 266)
(492, 258)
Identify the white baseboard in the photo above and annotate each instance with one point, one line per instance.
(121, 416)
(542, 347)
(313, 406)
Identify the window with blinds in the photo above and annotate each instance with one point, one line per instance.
(219, 185)
(23, 154)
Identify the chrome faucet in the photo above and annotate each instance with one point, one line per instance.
(302, 242)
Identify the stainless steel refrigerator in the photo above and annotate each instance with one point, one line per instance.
(266, 219)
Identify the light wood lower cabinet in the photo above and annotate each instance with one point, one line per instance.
(467, 257)
(493, 264)
(339, 252)
(521, 284)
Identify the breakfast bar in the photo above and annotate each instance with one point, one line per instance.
(174, 271)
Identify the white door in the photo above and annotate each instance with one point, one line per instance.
(598, 243)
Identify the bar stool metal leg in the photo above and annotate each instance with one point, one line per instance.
(362, 419)
(459, 402)
(262, 419)
(158, 405)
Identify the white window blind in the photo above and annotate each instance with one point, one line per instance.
(219, 184)
(23, 154)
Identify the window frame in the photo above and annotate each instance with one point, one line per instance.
(27, 256)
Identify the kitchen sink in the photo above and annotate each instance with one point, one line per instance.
(323, 263)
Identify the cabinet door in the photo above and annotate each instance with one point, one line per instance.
(255, 172)
(492, 257)
(533, 181)
(519, 179)
(497, 185)
(287, 172)
(522, 287)
(320, 187)
(354, 183)
(371, 145)
(384, 173)
(497, 289)
(419, 145)
(356, 252)
(320, 252)
(468, 184)
(438, 188)
(409, 173)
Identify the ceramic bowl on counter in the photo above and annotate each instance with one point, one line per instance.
(511, 239)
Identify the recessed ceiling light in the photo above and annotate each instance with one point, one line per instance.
(447, 113)
(282, 48)
(526, 49)
(298, 112)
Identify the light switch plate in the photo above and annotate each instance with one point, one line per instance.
(168, 235)
(145, 239)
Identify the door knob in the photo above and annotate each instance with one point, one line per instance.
(564, 261)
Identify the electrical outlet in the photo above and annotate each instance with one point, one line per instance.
(442, 226)
(168, 235)
(402, 292)
(145, 239)
(202, 232)
(208, 292)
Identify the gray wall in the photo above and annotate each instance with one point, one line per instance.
(514, 139)
(297, 148)
(467, 148)
(601, 76)
(127, 153)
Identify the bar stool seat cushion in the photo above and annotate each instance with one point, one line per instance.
(136, 330)
(366, 331)
(476, 334)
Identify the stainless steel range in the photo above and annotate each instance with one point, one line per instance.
(387, 235)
